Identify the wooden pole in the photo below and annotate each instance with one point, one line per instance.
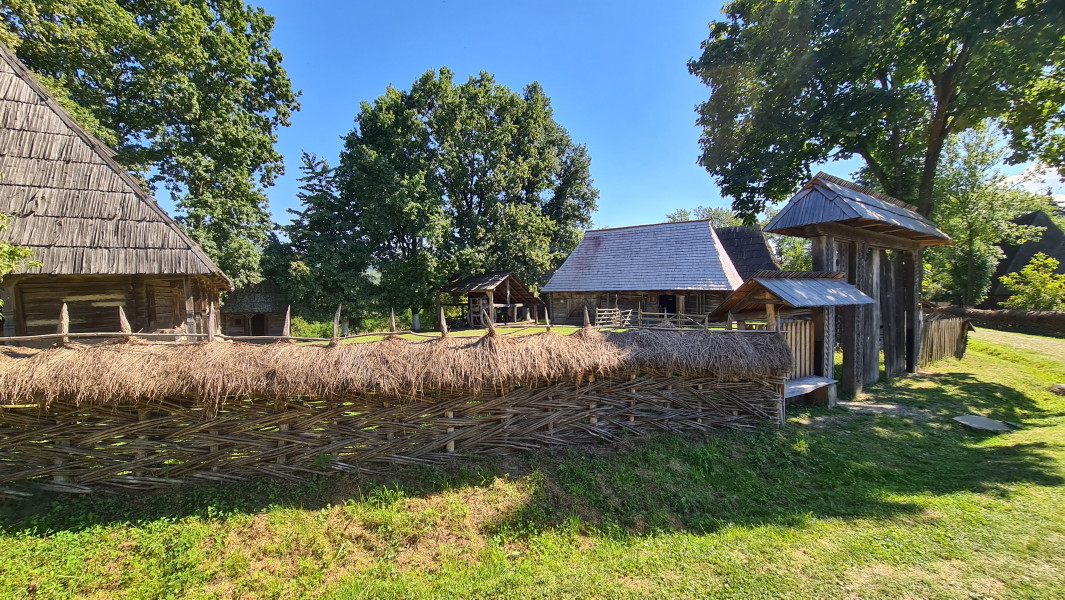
(450, 446)
(490, 324)
(286, 330)
(443, 321)
(211, 320)
(771, 317)
(64, 324)
(123, 323)
(587, 320)
(547, 320)
(336, 324)
(392, 321)
(491, 308)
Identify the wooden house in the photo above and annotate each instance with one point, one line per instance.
(877, 241)
(255, 309)
(748, 250)
(502, 296)
(102, 239)
(1052, 243)
(679, 267)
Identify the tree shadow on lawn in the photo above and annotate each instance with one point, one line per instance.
(845, 465)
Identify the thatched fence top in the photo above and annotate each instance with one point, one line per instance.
(396, 367)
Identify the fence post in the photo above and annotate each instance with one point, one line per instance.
(587, 320)
(212, 320)
(336, 327)
(286, 330)
(450, 446)
(547, 320)
(443, 321)
(123, 324)
(64, 325)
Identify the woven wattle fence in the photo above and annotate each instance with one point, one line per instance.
(162, 434)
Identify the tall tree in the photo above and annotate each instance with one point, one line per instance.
(190, 94)
(449, 180)
(975, 206)
(326, 260)
(718, 216)
(799, 82)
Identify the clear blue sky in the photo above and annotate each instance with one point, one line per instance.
(615, 72)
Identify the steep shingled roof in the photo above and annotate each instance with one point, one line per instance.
(666, 256)
(78, 210)
(829, 199)
(1052, 243)
(748, 249)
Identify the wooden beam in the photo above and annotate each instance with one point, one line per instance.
(771, 317)
(855, 234)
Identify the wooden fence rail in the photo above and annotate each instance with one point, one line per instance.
(942, 337)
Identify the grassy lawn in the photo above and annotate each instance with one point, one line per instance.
(838, 504)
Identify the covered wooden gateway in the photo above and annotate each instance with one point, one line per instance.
(501, 297)
(796, 303)
(877, 241)
(102, 240)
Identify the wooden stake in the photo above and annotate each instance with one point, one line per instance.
(450, 446)
(491, 325)
(286, 330)
(443, 321)
(123, 324)
(547, 320)
(587, 320)
(64, 325)
(336, 327)
(771, 317)
(211, 322)
(392, 321)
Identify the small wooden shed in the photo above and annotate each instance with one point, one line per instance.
(103, 241)
(877, 241)
(502, 297)
(255, 309)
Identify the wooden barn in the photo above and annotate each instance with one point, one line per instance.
(502, 296)
(877, 241)
(103, 241)
(255, 309)
(672, 268)
(1052, 243)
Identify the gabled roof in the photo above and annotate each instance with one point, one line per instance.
(1052, 243)
(666, 256)
(791, 289)
(748, 249)
(78, 210)
(497, 283)
(828, 199)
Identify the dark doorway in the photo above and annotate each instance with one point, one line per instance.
(258, 325)
(667, 302)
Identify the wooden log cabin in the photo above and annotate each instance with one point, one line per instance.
(256, 309)
(683, 267)
(103, 241)
(877, 241)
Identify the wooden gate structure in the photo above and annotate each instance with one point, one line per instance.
(877, 241)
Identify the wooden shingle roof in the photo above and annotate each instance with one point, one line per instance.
(497, 283)
(748, 249)
(828, 199)
(665, 256)
(1052, 243)
(79, 211)
(791, 289)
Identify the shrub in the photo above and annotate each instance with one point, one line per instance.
(1038, 286)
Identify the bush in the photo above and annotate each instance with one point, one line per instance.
(1038, 286)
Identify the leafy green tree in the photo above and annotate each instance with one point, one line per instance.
(1038, 286)
(976, 207)
(326, 260)
(190, 94)
(799, 82)
(447, 180)
(13, 258)
(718, 216)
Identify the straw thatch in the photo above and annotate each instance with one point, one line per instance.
(213, 372)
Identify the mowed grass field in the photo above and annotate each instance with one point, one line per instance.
(843, 503)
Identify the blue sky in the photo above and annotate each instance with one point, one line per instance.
(615, 72)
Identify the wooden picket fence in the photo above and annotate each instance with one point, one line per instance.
(943, 337)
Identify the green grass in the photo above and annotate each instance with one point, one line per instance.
(835, 504)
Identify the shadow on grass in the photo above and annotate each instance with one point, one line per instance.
(839, 464)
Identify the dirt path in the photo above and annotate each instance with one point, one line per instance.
(1052, 348)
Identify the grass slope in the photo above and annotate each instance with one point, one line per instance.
(837, 504)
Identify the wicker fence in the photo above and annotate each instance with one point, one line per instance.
(155, 430)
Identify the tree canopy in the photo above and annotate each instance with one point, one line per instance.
(448, 180)
(975, 206)
(799, 82)
(190, 93)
